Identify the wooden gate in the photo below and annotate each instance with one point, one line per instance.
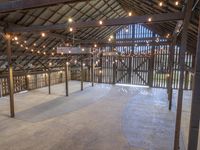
(133, 70)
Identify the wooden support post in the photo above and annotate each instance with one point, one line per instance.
(0, 87)
(114, 71)
(10, 76)
(186, 80)
(66, 78)
(92, 70)
(151, 66)
(27, 81)
(101, 68)
(183, 49)
(36, 84)
(130, 70)
(45, 79)
(82, 74)
(171, 70)
(195, 111)
(49, 80)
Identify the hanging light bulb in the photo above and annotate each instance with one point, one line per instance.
(100, 71)
(15, 38)
(130, 14)
(160, 4)
(149, 19)
(100, 22)
(71, 29)
(43, 34)
(70, 20)
(177, 3)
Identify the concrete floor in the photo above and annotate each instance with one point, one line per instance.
(103, 117)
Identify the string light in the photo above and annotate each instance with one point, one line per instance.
(32, 50)
(44, 53)
(43, 34)
(130, 14)
(95, 45)
(149, 19)
(160, 4)
(83, 49)
(34, 44)
(38, 52)
(15, 38)
(70, 20)
(167, 36)
(71, 29)
(52, 54)
(177, 3)
(100, 22)
(50, 64)
(44, 46)
(22, 45)
(25, 42)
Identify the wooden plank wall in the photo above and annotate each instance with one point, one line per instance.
(34, 81)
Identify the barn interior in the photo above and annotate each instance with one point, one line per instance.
(99, 74)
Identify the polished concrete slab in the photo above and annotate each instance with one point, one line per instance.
(103, 117)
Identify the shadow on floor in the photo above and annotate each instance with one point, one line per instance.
(62, 105)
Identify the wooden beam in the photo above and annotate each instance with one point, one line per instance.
(171, 70)
(66, 78)
(49, 81)
(195, 111)
(9, 6)
(183, 49)
(122, 40)
(82, 74)
(155, 18)
(92, 70)
(10, 75)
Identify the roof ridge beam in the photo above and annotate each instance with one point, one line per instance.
(155, 18)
